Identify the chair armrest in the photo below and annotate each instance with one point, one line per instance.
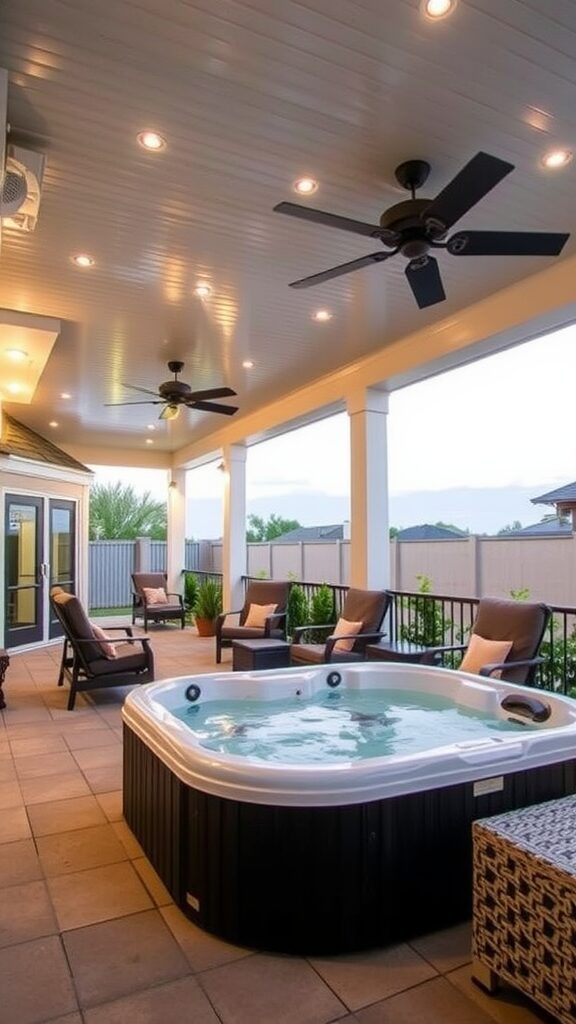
(300, 630)
(433, 653)
(172, 593)
(366, 637)
(115, 629)
(272, 620)
(487, 670)
(221, 619)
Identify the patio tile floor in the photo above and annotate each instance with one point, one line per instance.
(88, 933)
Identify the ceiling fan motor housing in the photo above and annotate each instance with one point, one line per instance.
(174, 390)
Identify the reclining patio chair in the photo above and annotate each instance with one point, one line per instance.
(89, 663)
(152, 602)
(359, 624)
(504, 641)
(262, 616)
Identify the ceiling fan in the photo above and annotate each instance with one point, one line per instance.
(174, 393)
(416, 227)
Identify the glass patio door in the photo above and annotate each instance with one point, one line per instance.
(25, 570)
(62, 552)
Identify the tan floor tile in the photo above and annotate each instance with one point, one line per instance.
(25, 913)
(124, 956)
(54, 787)
(448, 949)
(362, 978)
(68, 852)
(507, 1007)
(99, 757)
(104, 780)
(7, 770)
(35, 766)
(111, 804)
(25, 715)
(99, 894)
(84, 739)
(10, 795)
(128, 839)
(260, 989)
(65, 815)
(19, 863)
(37, 745)
(76, 1018)
(181, 1000)
(201, 949)
(14, 825)
(152, 882)
(435, 1002)
(35, 983)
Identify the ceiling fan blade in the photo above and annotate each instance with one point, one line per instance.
(506, 243)
(227, 410)
(344, 268)
(211, 393)
(333, 220)
(149, 402)
(145, 391)
(425, 282)
(470, 185)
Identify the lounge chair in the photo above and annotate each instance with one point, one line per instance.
(268, 600)
(359, 624)
(150, 589)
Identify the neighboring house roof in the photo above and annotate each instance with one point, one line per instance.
(427, 531)
(566, 493)
(334, 532)
(27, 444)
(550, 527)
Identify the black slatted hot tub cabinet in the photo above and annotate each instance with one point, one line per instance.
(314, 879)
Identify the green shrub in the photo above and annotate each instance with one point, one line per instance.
(191, 587)
(298, 611)
(426, 624)
(321, 612)
(208, 603)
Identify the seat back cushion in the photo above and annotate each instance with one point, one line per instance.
(366, 606)
(77, 625)
(519, 621)
(149, 579)
(266, 592)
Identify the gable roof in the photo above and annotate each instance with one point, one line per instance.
(311, 533)
(20, 440)
(565, 493)
(427, 531)
(551, 527)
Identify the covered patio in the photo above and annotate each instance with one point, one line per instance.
(89, 933)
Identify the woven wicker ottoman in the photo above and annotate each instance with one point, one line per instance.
(524, 922)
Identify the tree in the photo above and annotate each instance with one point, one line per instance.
(510, 528)
(268, 529)
(117, 512)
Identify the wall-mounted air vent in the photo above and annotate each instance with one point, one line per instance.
(22, 188)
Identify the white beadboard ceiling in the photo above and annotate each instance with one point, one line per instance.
(251, 95)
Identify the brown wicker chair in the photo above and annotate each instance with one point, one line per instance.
(141, 609)
(366, 606)
(83, 661)
(496, 619)
(260, 592)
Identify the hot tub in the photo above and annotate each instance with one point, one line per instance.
(316, 847)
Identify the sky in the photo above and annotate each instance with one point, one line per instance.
(503, 422)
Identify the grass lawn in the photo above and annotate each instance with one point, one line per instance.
(97, 612)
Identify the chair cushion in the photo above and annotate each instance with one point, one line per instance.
(313, 654)
(343, 627)
(130, 658)
(77, 625)
(108, 648)
(163, 609)
(257, 615)
(482, 652)
(155, 595)
(366, 606)
(267, 592)
(241, 633)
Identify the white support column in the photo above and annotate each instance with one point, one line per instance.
(234, 536)
(176, 532)
(369, 528)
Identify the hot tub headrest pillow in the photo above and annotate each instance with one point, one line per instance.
(257, 615)
(482, 652)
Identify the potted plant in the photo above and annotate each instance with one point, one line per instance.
(208, 606)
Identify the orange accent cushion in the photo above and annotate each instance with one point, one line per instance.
(155, 595)
(108, 648)
(482, 652)
(257, 615)
(343, 627)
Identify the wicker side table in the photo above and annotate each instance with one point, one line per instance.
(4, 662)
(525, 904)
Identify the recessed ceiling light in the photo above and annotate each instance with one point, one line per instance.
(83, 260)
(151, 141)
(65, 394)
(14, 388)
(556, 158)
(435, 9)
(150, 427)
(322, 315)
(247, 364)
(17, 355)
(149, 440)
(305, 186)
(53, 423)
(202, 290)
